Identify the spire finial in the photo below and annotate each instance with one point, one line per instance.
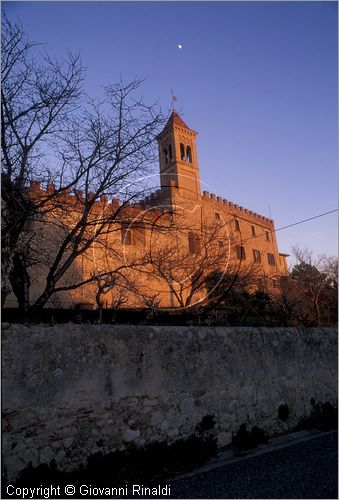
(174, 99)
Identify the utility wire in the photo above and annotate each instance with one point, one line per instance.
(306, 220)
(291, 225)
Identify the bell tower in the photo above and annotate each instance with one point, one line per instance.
(178, 158)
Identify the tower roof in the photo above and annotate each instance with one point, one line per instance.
(175, 119)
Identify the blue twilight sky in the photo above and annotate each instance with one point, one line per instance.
(257, 80)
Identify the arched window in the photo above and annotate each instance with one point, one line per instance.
(189, 154)
(182, 151)
(193, 243)
(170, 152)
(166, 155)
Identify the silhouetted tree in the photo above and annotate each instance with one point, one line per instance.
(309, 293)
(36, 99)
(109, 151)
(99, 151)
(186, 263)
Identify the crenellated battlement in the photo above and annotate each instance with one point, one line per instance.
(150, 203)
(71, 199)
(218, 200)
(74, 201)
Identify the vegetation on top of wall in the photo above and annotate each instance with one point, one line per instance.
(307, 296)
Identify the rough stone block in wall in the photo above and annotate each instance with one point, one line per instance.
(70, 391)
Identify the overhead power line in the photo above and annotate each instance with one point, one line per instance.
(306, 220)
(293, 224)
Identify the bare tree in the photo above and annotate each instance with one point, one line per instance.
(309, 293)
(36, 99)
(238, 278)
(101, 151)
(119, 298)
(103, 287)
(109, 151)
(185, 262)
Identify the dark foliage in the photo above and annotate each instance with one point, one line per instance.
(132, 465)
(206, 424)
(324, 417)
(202, 316)
(247, 440)
(283, 412)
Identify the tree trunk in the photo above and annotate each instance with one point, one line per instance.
(100, 304)
(20, 281)
(46, 294)
(6, 266)
(16, 209)
(317, 308)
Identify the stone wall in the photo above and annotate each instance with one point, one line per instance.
(70, 390)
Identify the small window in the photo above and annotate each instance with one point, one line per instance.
(139, 236)
(256, 256)
(182, 151)
(271, 259)
(253, 230)
(221, 244)
(193, 243)
(267, 236)
(126, 236)
(166, 155)
(217, 215)
(237, 225)
(189, 154)
(197, 245)
(240, 251)
(170, 152)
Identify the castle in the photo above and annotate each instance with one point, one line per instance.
(162, 250)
